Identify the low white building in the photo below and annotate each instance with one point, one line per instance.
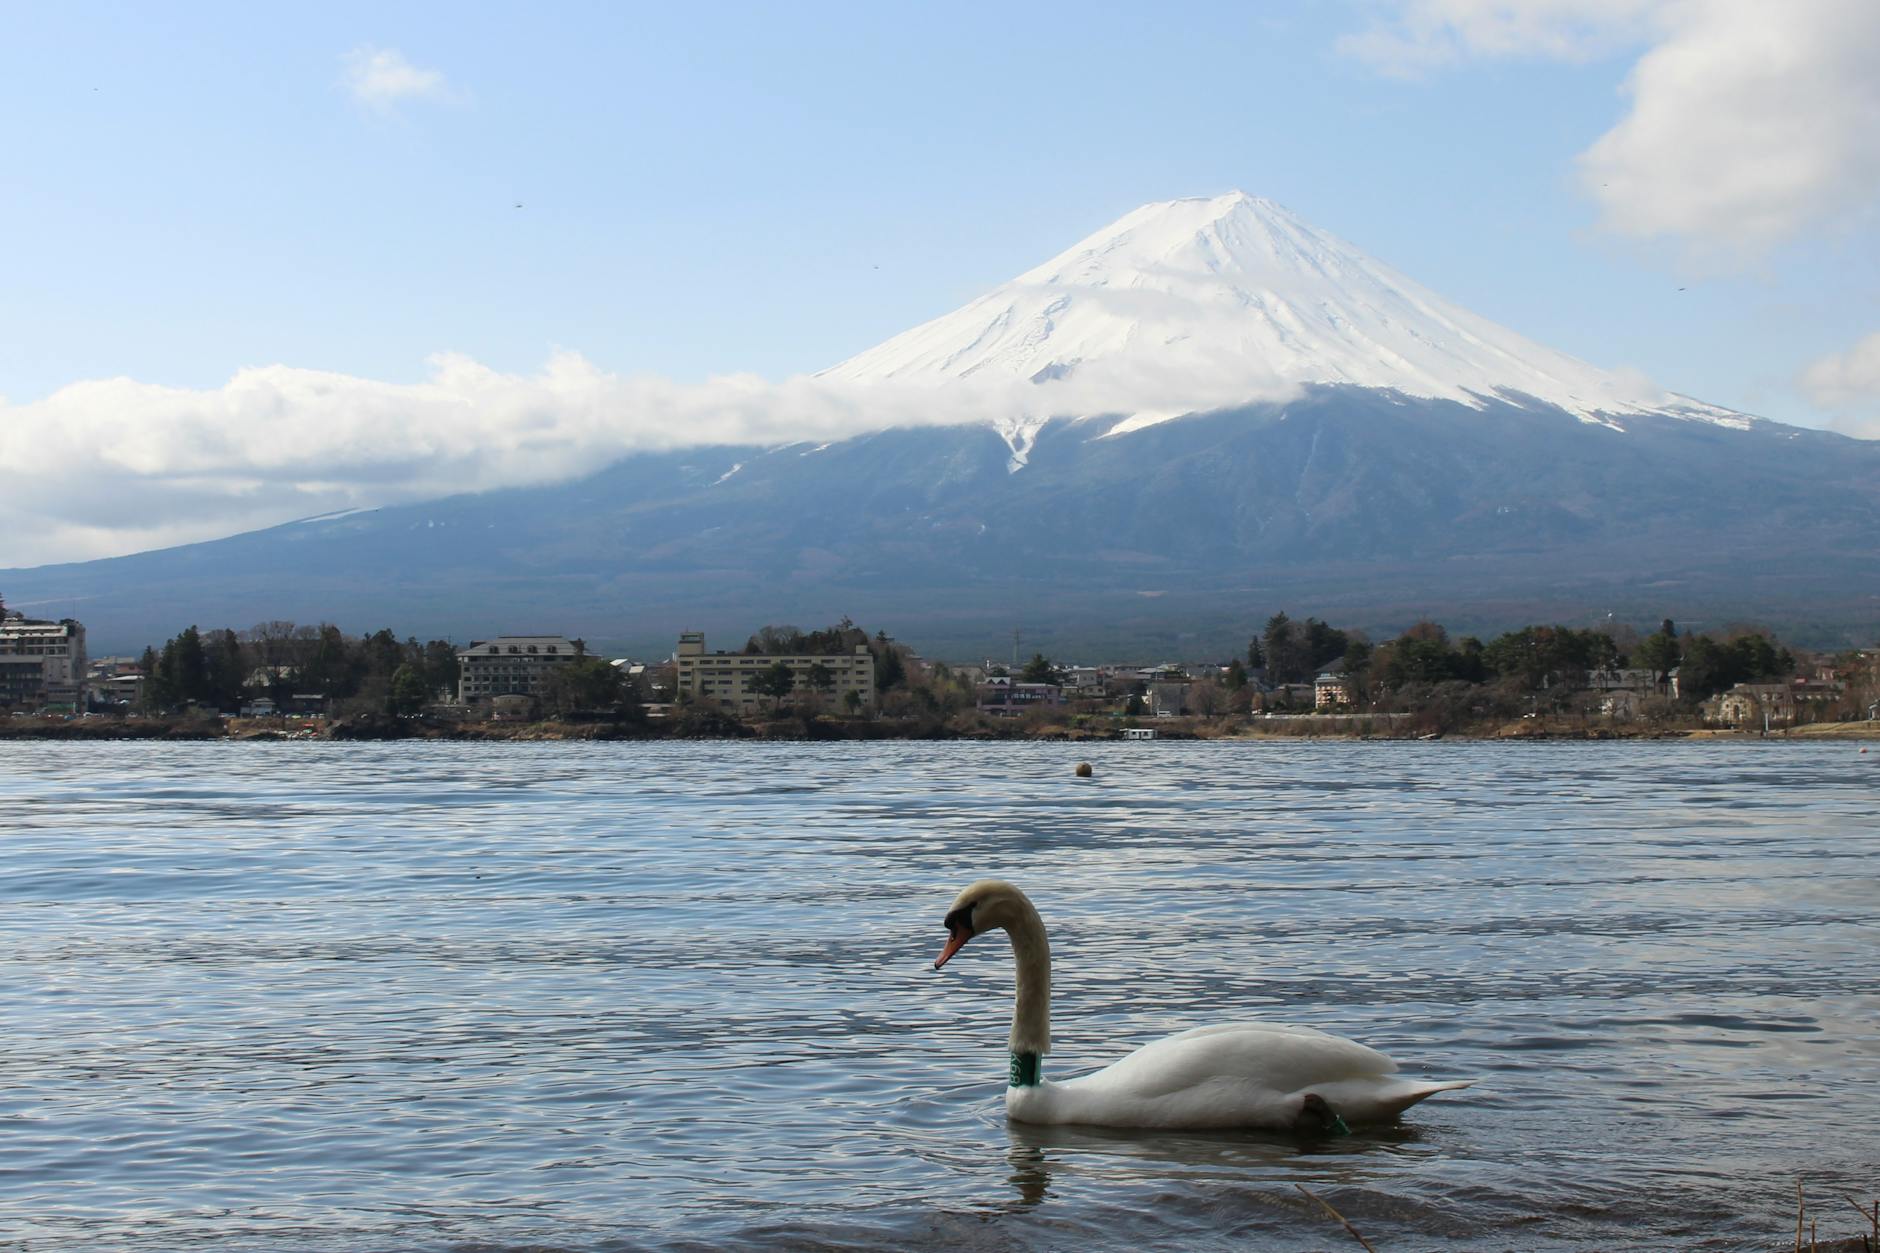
(1330, 691)
(1634, 680)
(114, 682)
(1004, 696)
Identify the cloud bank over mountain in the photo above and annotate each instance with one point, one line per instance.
(115, 466)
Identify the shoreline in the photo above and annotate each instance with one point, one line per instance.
(1258, 730)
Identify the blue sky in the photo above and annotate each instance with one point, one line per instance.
(192, 192)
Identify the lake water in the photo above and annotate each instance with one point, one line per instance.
(480, 997)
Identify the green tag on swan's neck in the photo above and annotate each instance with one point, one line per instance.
(1025, 1070)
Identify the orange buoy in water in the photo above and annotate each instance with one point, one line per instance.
(1084, 771)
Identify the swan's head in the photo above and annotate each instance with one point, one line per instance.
(985, 905)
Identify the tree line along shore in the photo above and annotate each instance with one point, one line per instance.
(1295, 678)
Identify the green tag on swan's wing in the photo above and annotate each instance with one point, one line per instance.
(1025, 1070)
(1338, 1125)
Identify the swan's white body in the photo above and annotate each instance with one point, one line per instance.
(1240, 1075)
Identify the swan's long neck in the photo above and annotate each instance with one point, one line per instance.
(1031, 1016)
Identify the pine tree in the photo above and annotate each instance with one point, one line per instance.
(775, 681)
(1039, 670)
(889, 671)
(409, 691)
(1659, 653)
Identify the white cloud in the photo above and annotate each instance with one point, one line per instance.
(380, 78)
(1431, 34)
(112, 466)
(1847, 384)
(1750, 121)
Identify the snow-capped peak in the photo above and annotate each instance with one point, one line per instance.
(1235, 298)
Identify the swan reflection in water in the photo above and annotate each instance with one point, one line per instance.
(1042, 1156)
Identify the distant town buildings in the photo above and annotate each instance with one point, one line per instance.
(1621, 694)
(42, 664)
(1751, 704)
(510, 665)
(115, 682)
(1168, 698)
(1005, 697)
(44, 670)
(1645, 681)
(1768, 705)
(728, 677)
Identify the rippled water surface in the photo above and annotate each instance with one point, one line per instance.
(599, 997)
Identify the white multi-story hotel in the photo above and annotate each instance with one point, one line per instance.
(42, 663)
(725, 677)
(510, 665)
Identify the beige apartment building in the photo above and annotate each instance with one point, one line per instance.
(42, 663)
(510, 665)
(725, 677)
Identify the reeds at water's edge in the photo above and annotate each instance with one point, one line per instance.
(1868, 1242)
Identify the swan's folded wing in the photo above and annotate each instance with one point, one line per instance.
(1279, 1058)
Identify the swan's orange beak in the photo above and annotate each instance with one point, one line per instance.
(955, 942)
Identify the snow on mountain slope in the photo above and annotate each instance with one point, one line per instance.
(1196, 303)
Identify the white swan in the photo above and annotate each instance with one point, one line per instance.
(1243, 1075)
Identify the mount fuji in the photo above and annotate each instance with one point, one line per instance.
(1206, 302)
(1204, 412)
